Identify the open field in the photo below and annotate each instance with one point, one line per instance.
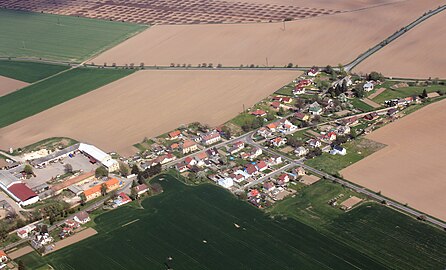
(385, 235)
(177, 11)
(410, 169)
(8, 85)
(201, 235)
(35, 35)
(356, 150)
(407, 92)
(46, 94)
(28, 71)
(77, 237)
(305, 42)
(417, 54)
(146, 104)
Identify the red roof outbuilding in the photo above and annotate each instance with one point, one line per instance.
(21, 191)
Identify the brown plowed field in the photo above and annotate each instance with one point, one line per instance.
(175, 11)
(8, 85)
(420, 53)
(317, 41)
(411, 168)
(147, 104)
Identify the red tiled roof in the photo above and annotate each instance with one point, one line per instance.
(21, 191)
(174, 134)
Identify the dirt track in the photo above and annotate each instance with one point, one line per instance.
(146, 104)
(77, 237)
(8, 85)
(305, 42)
(411, 168)
(417, 54)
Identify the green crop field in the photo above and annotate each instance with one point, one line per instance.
(69, 38)
(28, 71)
(195, 226)
(405, 91)
(48, 93)
(398, 241)
(358, 104)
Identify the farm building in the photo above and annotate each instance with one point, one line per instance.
(95, 191)
(58, 188)
(22, 194)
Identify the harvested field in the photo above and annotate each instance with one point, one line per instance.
(176, 11)
(146, 104)
(306, 42)
(20, 252)
(371, 103)
(310, 179)
(8, 85)
(410, 169)
(417, 54)
(77, 237)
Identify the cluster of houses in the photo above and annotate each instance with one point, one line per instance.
(283, 126)
(299, 87)
(274, 189)
(204, 159)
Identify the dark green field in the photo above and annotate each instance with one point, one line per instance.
(177, 222)
(68, 38)
(46, 94)
(28, 71)
(386, 235)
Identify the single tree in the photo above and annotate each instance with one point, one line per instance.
(135, 169)
(68, 168)
(124, 169)
(28, 169)
(104, 189)
(101, 172)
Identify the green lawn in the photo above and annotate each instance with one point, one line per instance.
(28, 71)
(360, 105)
(407, 92)
(243, 119)
(195, 226)
(356, 150)
(287, 90)
(69, 38)
(46, 94)
(387, 236)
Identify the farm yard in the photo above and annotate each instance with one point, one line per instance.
(203, 235)
(417, 54)
(8, 85)
(28, 71)
(412, 159)
(34, 35)
(245, 44)
(145, 104)
(46, 94)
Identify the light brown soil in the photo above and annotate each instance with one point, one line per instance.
(20, 252)
(417, 54)
(379, 91)
(147, 104)
(8, 85)
(411, 168)
(371, 103)
(309, 179)
(77, 237)
(327, 4)
(319, 41)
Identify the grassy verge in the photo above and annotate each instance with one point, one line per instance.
(28, 71)
(46, 94)
(356, 150)
(360, 105)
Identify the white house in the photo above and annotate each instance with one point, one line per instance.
(314, 143)
(82, 217)
(313, 71)
(226, 182)
(368, 86)
(301, 151)
(315, 108)
(211, 138)
(338, 150)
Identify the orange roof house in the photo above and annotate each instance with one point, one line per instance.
(174, 134)
(95, 191)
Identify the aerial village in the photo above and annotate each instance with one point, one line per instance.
(51, 189)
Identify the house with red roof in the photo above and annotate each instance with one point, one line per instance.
(298, 90)
(278, 141)
(275, 104)
(189, 146)
(174, 134)
(269, 186)
(251, 169)
(258, 113)
(181, 167)
(3, 257)
(211, 138)
(22, 194)
(253, 193)
(313, 71)
(261, 166)
(302, 116)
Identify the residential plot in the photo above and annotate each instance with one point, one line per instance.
(305, 42)
(417, 54)
(8, 85)
(410, 169)
(35, 35)
(146, 104)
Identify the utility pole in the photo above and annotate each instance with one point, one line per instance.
(267, 62)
